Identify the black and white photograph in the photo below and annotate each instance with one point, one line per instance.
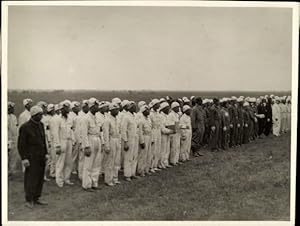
(156, 111)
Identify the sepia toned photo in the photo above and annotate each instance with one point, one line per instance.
(169, 112)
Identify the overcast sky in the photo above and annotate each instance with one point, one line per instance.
(153, 48)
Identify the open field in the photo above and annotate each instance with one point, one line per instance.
(238, 184)
(60, 95)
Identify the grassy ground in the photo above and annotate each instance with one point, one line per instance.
(238, 184)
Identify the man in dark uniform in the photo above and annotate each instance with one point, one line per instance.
(214, 124)
(232, 109)
(240, 122)
(262, 120)
(33, 151)
(225, 125)
(198, 126)
(247, 121)
(269, 122)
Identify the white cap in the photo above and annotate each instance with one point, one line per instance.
(185, 108)
(155, 101)
(162, 100)
(164, 105)
(103, 104)
(192, 97)
(144, 108)
(35, 110)
(93, 101)
(116, 100)
(50, 107)
(42, 104)
(246, 104)
(233, 98)
(65, 103)
(124, 103)
(10, 104)
(75, 104)
(27, 101)
(85, 102)
(113, 106)
(239, 99)
(175, 104)
(186, 100)
(57, 107)
(141, 103)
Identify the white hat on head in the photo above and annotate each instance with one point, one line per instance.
(141, 103)
(233, 98)
(240, 99)
(85, 102)
(124, 103)
(66, 103)
(144, 108)
(116, 100)
(185, 108)
(57, 107)
(162, 100)
(75, 104)
(50, 107)
(27, 101)
(175, 104)
(93, 101)
(192, 97)
(205, 101)
(103, 104)
(42, 104)
(113, 106)
(155, 101)
(186, 100)
(164, 105)
(35, 110)
(246, 104)
(10, 104)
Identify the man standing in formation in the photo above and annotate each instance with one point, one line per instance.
(95, 138)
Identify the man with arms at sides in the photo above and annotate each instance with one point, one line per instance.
(33, 151)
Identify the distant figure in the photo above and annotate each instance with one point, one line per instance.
(269, 122)
(276, 116)
(33, 151)
(12, 135)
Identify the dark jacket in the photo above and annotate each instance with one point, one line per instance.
(31, 140)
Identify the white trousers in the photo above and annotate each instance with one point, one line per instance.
(92, 164)
(64, 164)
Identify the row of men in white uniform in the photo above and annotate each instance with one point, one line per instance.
(94, 138)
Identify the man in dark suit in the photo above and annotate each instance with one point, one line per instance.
(33, 151)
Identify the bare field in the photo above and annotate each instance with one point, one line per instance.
(238, 184)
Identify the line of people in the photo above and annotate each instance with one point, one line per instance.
(94, 137)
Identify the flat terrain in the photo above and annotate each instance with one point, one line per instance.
(238, 184)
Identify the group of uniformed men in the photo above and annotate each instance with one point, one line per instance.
(95, 138)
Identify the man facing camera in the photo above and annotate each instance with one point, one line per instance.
(33, 151)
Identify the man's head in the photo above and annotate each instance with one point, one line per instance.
(165, 107)
(10, 107)
(104, 107)
(36, 113)
(132, 107)
(155, 104)
(186, 110)
(65, 107)
(75, 106)
(216, 101)
(50, 109)
(114, 109)
(198, 101)
(175, 106)
(85, 106)
(28, 103)
(43, 105)
(93, 105)
(145, 110)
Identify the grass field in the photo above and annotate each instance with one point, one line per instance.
(59, 95)
(238, 184)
